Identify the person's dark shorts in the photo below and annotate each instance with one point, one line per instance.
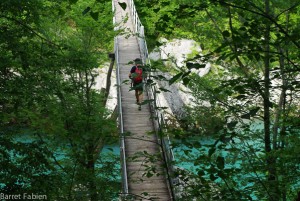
(138, 86)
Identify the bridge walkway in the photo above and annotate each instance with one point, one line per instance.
(144, 169)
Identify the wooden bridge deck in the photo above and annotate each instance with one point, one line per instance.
(141, 184)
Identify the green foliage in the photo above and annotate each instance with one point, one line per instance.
(254, 51)
(227, 166)
(123, 5)
(17, 175)
(53, 124)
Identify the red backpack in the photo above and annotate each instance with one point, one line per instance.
(138, 75)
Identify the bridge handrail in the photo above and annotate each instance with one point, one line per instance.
(121, 125)
(139, 31)
(151, 90)
(120, 117)
(155, 105)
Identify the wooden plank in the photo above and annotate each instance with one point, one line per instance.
(143, 168)
(138, 123)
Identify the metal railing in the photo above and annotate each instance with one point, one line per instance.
(120, 117)
(121, 127)
(139, 31)
(158, 116)
(151, 89)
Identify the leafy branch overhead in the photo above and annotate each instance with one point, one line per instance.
(53, 122)
(94, 15)
(123, 5)
(248, 102)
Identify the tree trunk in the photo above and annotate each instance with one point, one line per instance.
(108, 78)
(267, 85)
(270, 160)
(281, 103)
(96, 147)
(91, 170)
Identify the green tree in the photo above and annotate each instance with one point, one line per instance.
(254, 51)
(49, 50)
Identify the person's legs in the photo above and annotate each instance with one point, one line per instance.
(137, 96)
(140, 95)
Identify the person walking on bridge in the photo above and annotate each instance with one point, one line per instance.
(136, 75)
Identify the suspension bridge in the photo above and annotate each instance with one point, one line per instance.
(145, 156)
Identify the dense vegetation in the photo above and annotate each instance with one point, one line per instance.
(53, 123)
(252, 121)
(241, 138)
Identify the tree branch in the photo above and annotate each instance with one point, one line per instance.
(30, 30)
(265, 16)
